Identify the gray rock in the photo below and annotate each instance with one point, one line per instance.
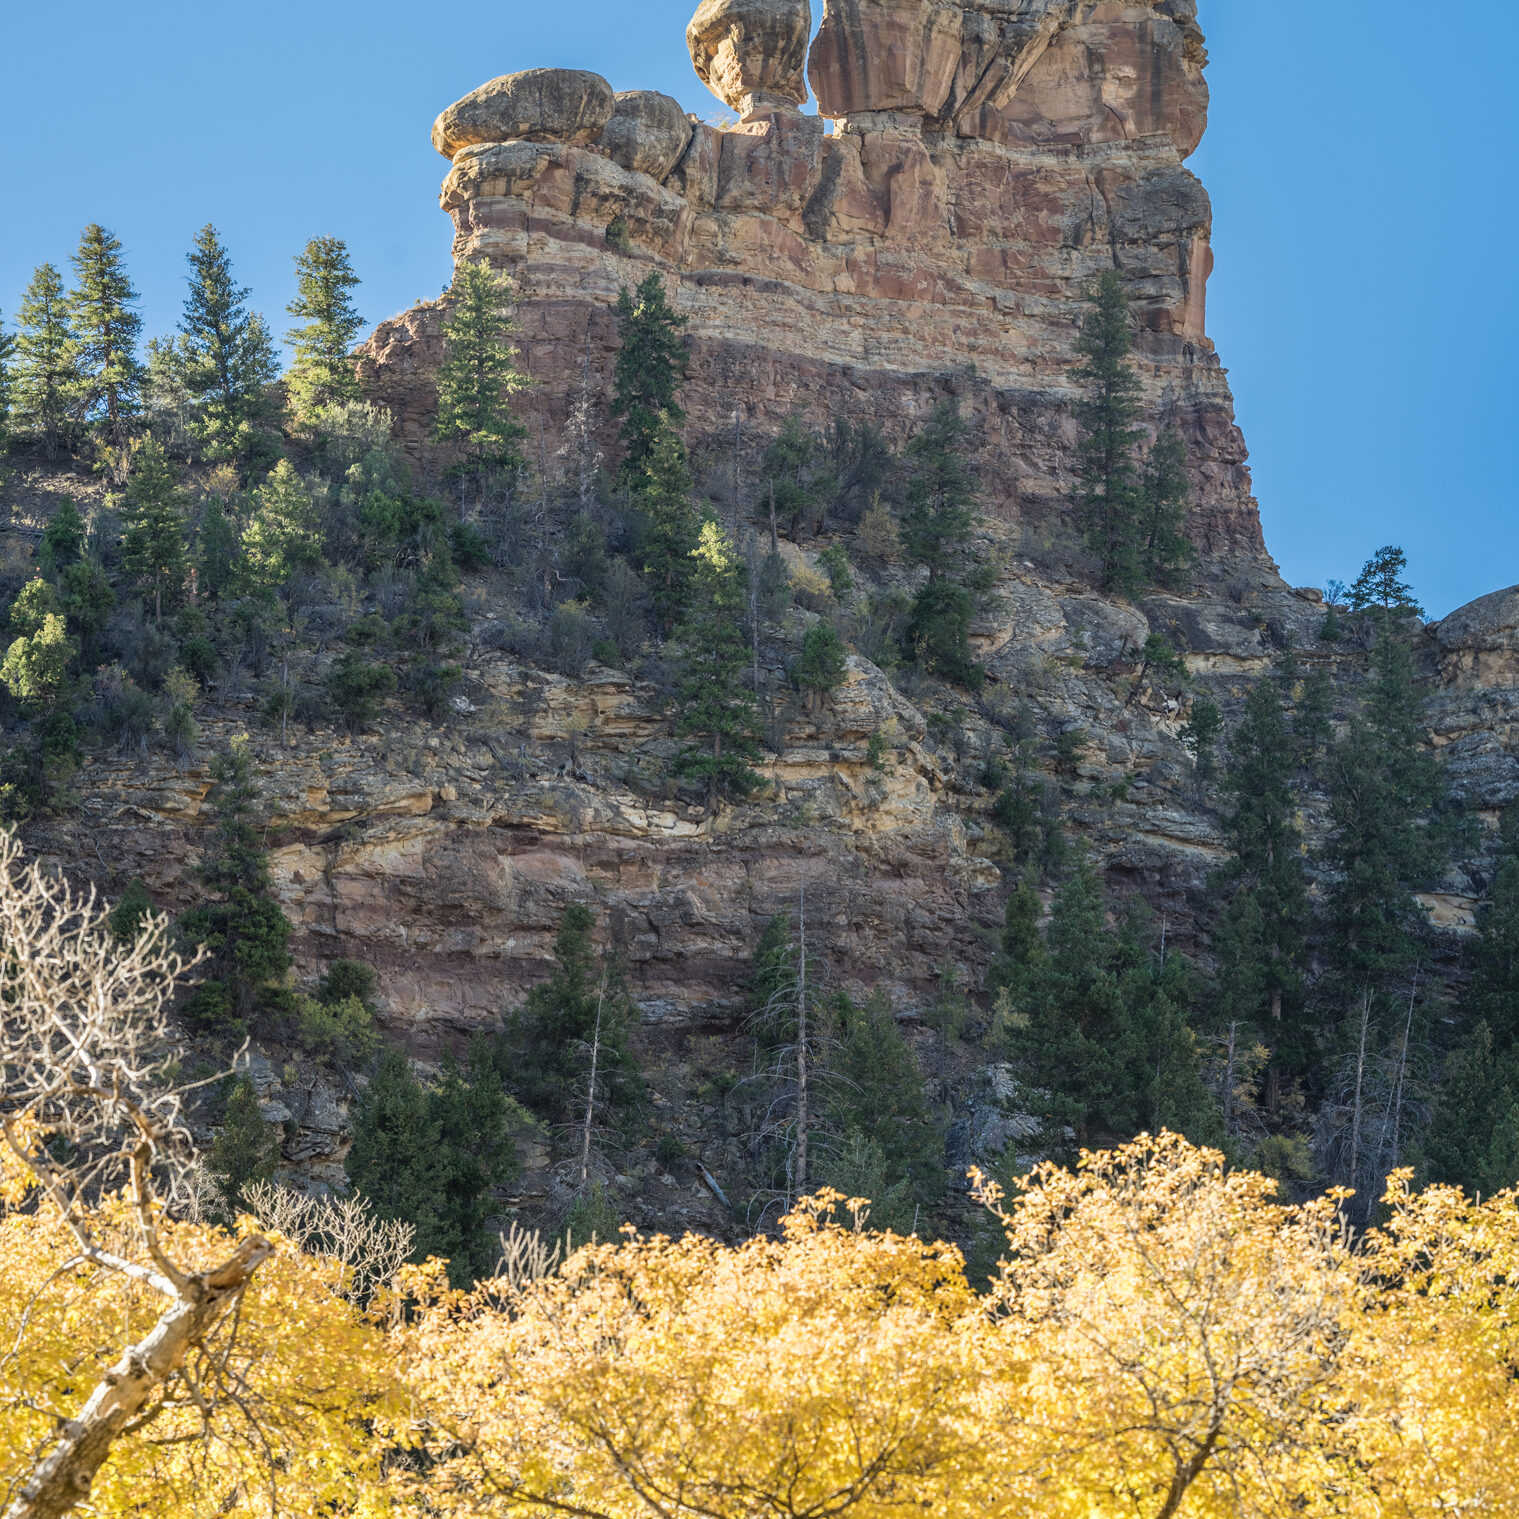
(538, 105)
(648, 133)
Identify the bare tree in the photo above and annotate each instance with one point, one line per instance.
(89, 1105)
(366, 1249)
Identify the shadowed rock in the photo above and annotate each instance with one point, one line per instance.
(885, 55)
(538, 105)
(751, 53)
(648, 133)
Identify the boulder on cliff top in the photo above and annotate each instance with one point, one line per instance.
(885, 55)
(538, 105)
(648, 133)
(751, 53)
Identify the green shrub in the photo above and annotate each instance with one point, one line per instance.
(356, 689)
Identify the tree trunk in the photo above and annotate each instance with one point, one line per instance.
(62, 1480)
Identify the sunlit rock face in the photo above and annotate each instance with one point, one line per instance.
(933, 232)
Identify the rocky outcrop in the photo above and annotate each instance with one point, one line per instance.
(648, 133)
(751, 53)
(986, 161)
(538, 105)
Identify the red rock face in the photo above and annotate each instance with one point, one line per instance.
(939, 241)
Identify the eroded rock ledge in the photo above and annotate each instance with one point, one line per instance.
(932, 231)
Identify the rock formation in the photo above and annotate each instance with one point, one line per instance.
(985, 160)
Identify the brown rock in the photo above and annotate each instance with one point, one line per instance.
(539, 105)
(1120, 70)
(885, 55)
(771, 166)
(648, 133)
(751, 53)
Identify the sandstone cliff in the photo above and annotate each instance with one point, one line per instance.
(980, 164)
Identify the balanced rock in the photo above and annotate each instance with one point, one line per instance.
(538, 105)
(751, 53)
(885, 55)
(648, 133)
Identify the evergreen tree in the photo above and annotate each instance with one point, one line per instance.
(545, 1051)
(1473, 1138)
(241, 925)
(36, 663)
(323, 372)
(396, 1161)
(795, 468)
(7, 387)
(1261, 937)
(717, 709)
(1110, 485)
(283, 535)
(1097, 1018)
(153, 537)
(937, 525)
(217, 545)
(357, 688)
(670, 527)
(823, 665)
(45, 375)
(62, 539)
(106, 332)
(473, 1118)
(649, 371)
(1165, 552)
(877, 1093)
(478, 375)
(1380, 586)
(1393, 826)
(225, 362)
(246, 1149)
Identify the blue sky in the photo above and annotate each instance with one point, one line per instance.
(1360, 161)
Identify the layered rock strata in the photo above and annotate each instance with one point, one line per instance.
(933, 232)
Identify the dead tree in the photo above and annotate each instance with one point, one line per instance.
(88, 1108)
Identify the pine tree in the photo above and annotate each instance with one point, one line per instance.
(473, 1119)
(798, 482)
(1261, 938)
(1381, 587)
(937, 525)
(1473, 1138)
(1110, 486)
(106, 332)
(717, 709)
(1393, 825)
(648, 374)
(1166, 553)
(241, 925)
(878, 1094)
(62, 539)
(246, 1148)
(823, 665)
(7, 384)
(396, 1161)
(45, 374)
(282, 536)
(545, 1051)
(226, 361)
(670, 527)
(478, 375)
(153, 537)
(323, 372)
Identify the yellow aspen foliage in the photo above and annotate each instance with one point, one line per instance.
(830, 1372)
(1430, 1376)
(272, 1415)
(1180, 1329)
